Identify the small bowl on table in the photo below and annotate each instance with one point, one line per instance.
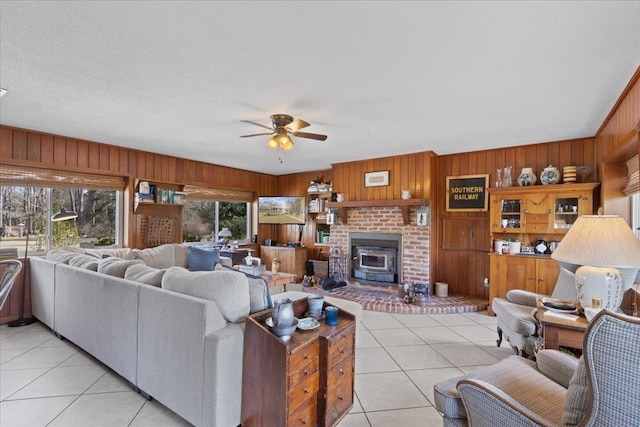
(283, 332)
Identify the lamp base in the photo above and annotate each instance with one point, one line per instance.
(605, 283)
(22, 322)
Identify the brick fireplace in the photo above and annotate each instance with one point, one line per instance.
(414, 253)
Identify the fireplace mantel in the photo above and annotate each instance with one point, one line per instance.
(404, 205)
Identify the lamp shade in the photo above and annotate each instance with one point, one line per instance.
(63, 215)
(224, 233)
(599, 241)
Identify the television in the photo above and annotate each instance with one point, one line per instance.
(282, 209)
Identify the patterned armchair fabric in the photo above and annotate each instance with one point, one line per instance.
(604, 389)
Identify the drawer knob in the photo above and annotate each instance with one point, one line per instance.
(304, 422)
(342, 350)
(306, 372)
(342, 371)
(340, 398)
(306, 356)
(306, 390)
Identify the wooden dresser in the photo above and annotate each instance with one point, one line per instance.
(307, 381)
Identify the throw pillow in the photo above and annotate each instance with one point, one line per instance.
(259, 295)
(84, 261)
(163, 256)
(182, 255)
(115, 266)
(60, 255)
(203, 259)
(142, 274)
(122, 253)
(575, 402)
(229, 291)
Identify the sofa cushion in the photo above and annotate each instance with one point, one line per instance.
(203, 259)
(182, 256)
(142, 274)
(259, 294)
(230, 291)
(122, 253)
(575, 403)
(84, 261)
(61, 255)
(115, 266)
(163, 256)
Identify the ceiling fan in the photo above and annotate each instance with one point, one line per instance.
(283, 125)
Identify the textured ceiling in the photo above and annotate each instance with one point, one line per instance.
(380, 78)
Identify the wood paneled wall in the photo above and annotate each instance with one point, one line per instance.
(617, 142)
(411, 172)
(465, 271)
(19, 146)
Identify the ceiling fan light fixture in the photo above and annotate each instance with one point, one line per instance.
(273, 143)
(286, 145)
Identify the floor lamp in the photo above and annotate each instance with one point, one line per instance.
(58, 216)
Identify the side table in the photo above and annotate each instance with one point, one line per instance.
(306, 381)
(559, 332)
(278, 279)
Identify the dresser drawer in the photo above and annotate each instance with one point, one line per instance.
(343, 371)
(304, 391)
(339, 399)
(537, 218)
(305, 414)
(340, 347)
(304, 355)
(304, 372)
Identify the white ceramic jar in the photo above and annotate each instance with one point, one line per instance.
(550, 175)
(527, 177)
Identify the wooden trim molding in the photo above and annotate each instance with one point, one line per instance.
(404, 205)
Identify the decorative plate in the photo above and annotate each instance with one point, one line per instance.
(559, 306)
(307, 324)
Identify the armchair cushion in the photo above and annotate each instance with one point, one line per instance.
(575, 403)
(557, 365)
(522, 297)
(516, 317)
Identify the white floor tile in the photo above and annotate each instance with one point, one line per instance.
(475, 333)
(32, 412)
(8, 354)
(388, 390)
(40, 357)
(12, 381)
(364, 339)
(25, 339)
(424, 417)
(374, 360)
(415, 320)
(354, 420)
(482, 318)
(154, 414)
(418, 357)
(108, 409)
(425, 379)
(381, 322)
(465, 354)
(81, 358)
(395, 337)
(437, 335)
(452, 319)
(109, 383)
(66, 381)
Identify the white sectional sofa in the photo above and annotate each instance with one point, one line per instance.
(183, 348)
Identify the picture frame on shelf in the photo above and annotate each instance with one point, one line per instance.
(376, 179)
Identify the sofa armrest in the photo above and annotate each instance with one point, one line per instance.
(226, 261)
(488, 406)
(557, 365)
(519, 296)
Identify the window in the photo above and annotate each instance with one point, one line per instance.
(203, 219)
(26, 216)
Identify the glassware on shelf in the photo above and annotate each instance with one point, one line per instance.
(507, 180)
(499, 177)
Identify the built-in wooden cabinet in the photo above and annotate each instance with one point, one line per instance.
(292, 260)
(530, 214)
(157, 218)
(318, 211)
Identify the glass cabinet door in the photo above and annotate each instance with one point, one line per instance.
(566, 211)
(510, 214)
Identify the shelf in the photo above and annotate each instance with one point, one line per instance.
(404, 205)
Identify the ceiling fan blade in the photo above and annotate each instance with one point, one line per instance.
(310, 135)
(257, 124)
(296, 125)
(256, 134)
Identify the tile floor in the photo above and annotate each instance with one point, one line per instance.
(48, 382)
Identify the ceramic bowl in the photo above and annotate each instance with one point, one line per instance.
(284, 332)
(589, 312)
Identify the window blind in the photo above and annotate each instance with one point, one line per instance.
(633, 176)
(217, 194)
(27, 176)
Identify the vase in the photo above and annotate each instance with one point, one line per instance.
(527, 177)
(550, 175)
(506, 179)
(499, 177)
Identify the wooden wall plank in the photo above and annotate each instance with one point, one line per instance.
(33, 147)
(19, 145)
(71, 153)
(46, 149)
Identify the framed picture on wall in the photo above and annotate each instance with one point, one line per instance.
(376, 179)
(467, 193)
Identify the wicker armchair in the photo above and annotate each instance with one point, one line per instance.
(603, 391)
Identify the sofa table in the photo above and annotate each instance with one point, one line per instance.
(278, 279)
(305, 381)
(559, 331)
